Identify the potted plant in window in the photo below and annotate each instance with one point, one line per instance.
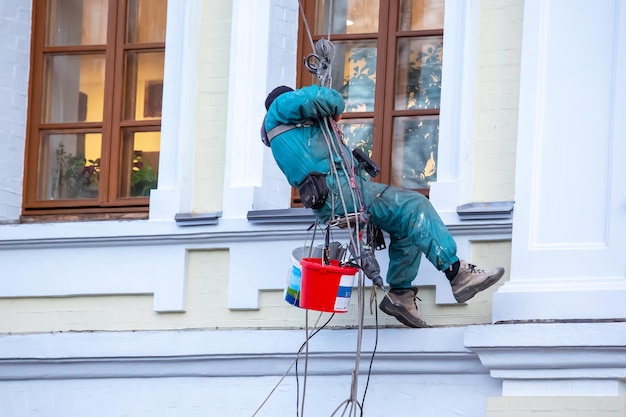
(143, 177)
(75, 176)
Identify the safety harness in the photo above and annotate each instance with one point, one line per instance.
(267, 137)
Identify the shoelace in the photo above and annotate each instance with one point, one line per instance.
(415, 297)
(473, 270)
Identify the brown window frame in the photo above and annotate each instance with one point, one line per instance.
(383, 115)
(111, 127)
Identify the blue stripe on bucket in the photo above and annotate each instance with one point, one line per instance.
(344, 292)
(291, 300)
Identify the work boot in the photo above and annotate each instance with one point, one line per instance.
(400, 303)
(470, 280)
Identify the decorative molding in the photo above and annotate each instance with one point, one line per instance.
(579, 358)
(224, 353)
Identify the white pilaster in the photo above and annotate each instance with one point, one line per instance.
(244, 151)
(569, 241)
(173, 193)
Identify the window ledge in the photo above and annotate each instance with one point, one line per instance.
(84, 217)
(498, 210)
(290, 215)
(197, 219)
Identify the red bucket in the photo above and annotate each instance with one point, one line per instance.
(326, 287)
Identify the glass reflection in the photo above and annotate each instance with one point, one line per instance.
(358, 133)
(415, 144)
(73, 88)
(418, 73)
(346, 17)
(143, 85)
(146, 21)
(77, 22)
(354, 74)
(421, 14)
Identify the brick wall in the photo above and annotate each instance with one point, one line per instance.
(281, 70)
(212, 100)
(497, 99)
(14, 61)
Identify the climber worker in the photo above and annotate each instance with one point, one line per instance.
(292, 128)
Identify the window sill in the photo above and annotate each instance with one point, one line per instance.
(290, 215)
(197, 219)
(499, 210)
(84, 217)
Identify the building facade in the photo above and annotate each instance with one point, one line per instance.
(174, 305)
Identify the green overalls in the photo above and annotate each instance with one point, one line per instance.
(407, 216)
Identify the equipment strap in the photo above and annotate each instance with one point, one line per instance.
(285, 128)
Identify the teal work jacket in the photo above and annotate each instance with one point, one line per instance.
(302, 150)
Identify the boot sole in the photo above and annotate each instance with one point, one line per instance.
(402, 315)
(469, 292)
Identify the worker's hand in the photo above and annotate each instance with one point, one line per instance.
(337, 117)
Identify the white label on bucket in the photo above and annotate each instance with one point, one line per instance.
(342, 303)
(347, 281)
(344, 292)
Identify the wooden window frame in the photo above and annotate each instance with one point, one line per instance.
(383, 115)
(110, 128)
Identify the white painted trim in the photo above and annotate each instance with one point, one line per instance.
(568, 246)
(173, 193)
(458, 103)
(244, 150)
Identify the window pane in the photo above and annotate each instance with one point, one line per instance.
(351, 16)
(143, 85)
(358, 134)
(69, 166)
(140, 163)
(146, 21)
(73, 88)
(418, 73)
(354, 74)
(415, 143)
(77, 22)
(420, 14)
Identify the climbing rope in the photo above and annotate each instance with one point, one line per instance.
(319, 63)
(295, 360)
